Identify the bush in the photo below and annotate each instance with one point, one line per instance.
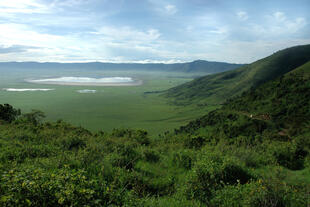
(126, 156)
(211, 174)
(230, 196)
(151, 156)
(195, 142)
(140, 136)
(8, 113)
(71, 143)
(183, 159)
(34, 117)
(266, 193)
(159, 186)
(290, 155)
(36, 187)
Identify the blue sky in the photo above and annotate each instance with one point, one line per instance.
(239, 31)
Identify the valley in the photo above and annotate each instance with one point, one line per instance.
(101, 107)
(136, 146)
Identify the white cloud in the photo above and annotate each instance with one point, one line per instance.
(219, 31)
(22, 6)
(279, 16)
(278, 24)
(41, 46)
(82, 30)
(242, 15)
(127, 34)
(170, 9)
(69, 3)
(19, 34)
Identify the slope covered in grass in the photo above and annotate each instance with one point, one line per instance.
(285, 100)
(219, 87)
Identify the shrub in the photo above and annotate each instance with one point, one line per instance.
(266, 193)
(141, 136)
(290, 155)
(211, 174)
(36, 187)
(195, 142)
(151, 156)
(8, 113)
(158, 186)
(126, 156)
(71, 143)
(34, 117)
(183, 159)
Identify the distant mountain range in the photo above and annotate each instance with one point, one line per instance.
(198, 66)
(216, 88)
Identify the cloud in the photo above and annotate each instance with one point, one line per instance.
(15, 49)
(170, 9)
(163, 7)
(242, 15)
(279, 25)
(22, 6)
(21, 34)
(144, 31)
(127, 35)
(69, 3)
(280, 16)
(219, 31)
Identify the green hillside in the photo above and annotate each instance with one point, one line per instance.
(218, 87)
(286, 100)
(253, 152)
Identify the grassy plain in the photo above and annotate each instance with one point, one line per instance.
(110, 107)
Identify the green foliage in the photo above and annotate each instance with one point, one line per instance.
(140, 135)
(211, 173)
(34, 117)
(195, 142)
(73, 143)
(151, 156)
(8, 113)
(183, 159)
(291, 155)
(37, 187)
(144, 186)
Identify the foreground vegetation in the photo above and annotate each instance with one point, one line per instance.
(254, 151)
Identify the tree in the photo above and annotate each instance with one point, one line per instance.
(34, 117)
(8, 113)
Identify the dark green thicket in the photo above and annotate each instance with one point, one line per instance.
(8, 113)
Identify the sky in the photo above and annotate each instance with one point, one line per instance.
(167, 31)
